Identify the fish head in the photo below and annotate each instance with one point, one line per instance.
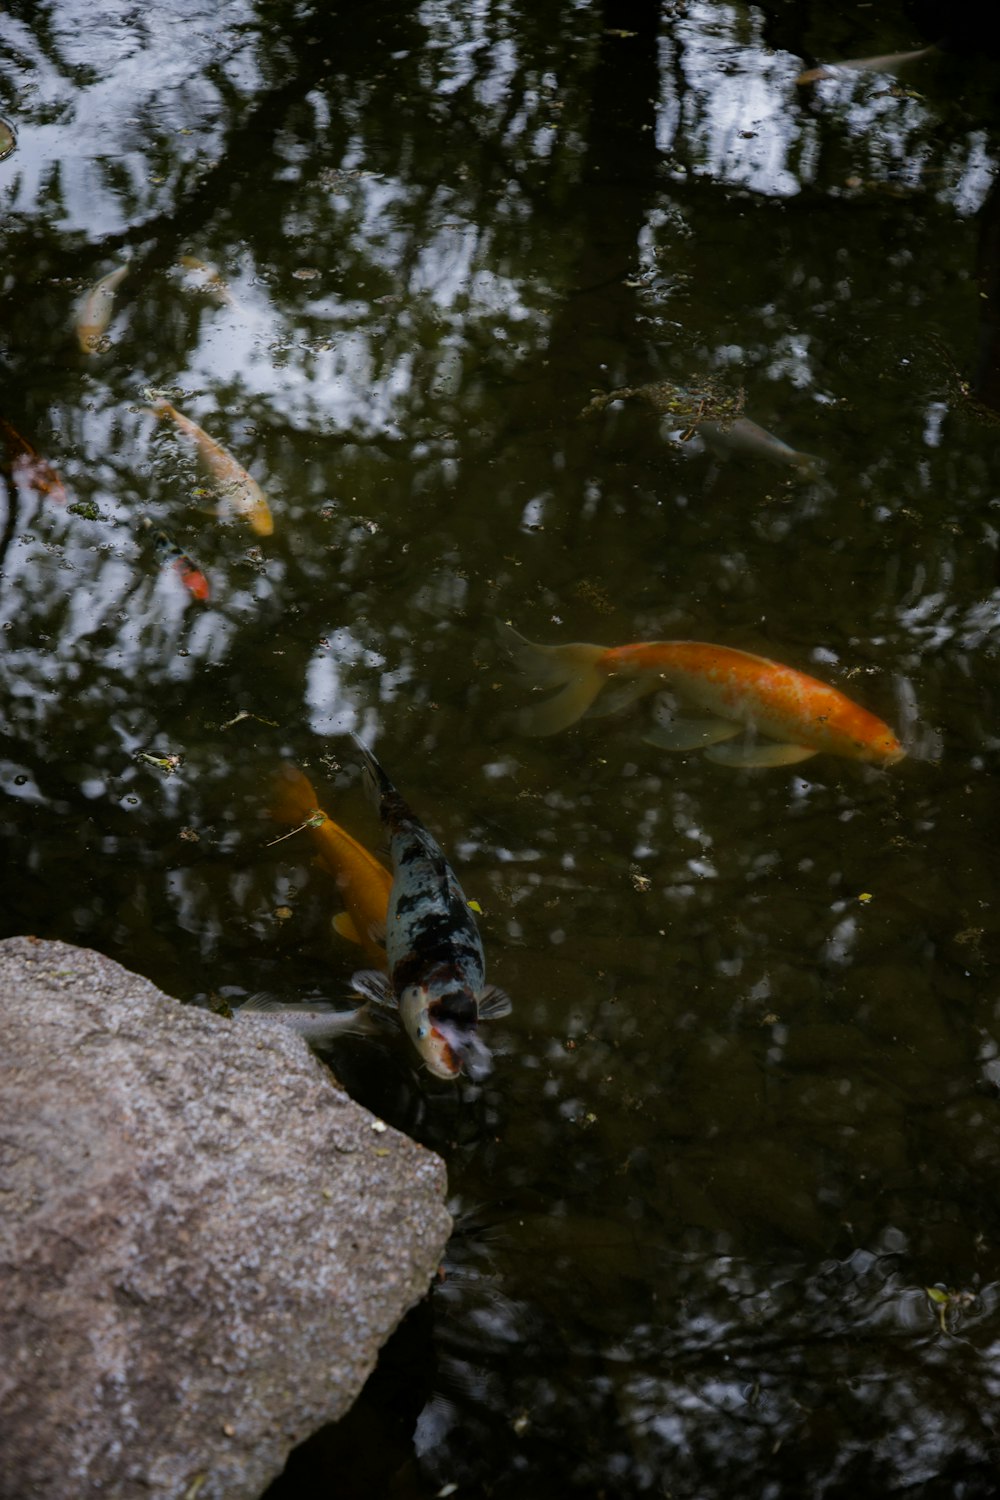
(890, 751)
(882, 748)
(447, 1043)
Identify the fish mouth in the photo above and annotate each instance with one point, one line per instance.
(465, 1049)
(441, 1061)
(890, 754)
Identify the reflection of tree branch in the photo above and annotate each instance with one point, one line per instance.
(11, 517)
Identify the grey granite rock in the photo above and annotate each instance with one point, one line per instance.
(203, 1240)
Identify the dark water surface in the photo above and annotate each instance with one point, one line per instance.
(746, 1109)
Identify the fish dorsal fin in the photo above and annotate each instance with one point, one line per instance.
(375, 987)
(261, 1005)
(494, 1003)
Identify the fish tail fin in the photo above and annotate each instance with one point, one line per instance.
(572, 668)
(292, 797)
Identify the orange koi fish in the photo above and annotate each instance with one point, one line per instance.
(364, 882)
(188, 571)
(95, 311)
(28, 467)
(743, 710)
(238, 489)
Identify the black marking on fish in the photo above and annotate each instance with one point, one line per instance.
(432, 941)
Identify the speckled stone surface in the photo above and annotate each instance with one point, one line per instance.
(203, 1241)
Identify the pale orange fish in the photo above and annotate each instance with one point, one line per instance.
(743, 710)
(28, 466)
(888, 62)
(238, 488)
(206, 279)
(364, 883)
(95, 310)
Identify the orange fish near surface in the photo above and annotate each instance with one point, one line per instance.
(743, 710)
(238, 488)
(364, 882)
(28, 467)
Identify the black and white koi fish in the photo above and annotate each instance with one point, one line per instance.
(437, 971)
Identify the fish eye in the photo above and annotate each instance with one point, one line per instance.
(422, 1031)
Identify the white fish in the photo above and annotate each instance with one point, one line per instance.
(317, 1021)
(95, 310)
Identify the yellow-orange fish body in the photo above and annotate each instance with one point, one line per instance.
(779, 702)
(238, 488)
(364, 883)
(792, 714)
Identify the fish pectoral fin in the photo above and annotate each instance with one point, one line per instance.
(615, 700)
(375, 987)
(494, 1004)
(376, 933)
(682, 733)
(759, 753)
(343, 923)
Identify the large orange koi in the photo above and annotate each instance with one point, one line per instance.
(743, 710)
(364, 882)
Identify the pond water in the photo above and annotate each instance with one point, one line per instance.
(746, 1110)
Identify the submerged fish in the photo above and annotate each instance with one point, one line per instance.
(886, 63)
(173, 556)
(316, 1021)
(787, 715)
(206, 279)
(95, 310)
(28, 467)
(364, 883)
(437, 972)
(715, 414)
(239, 490)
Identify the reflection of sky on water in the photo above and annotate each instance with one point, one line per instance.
(142, 72)
(734, 115)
